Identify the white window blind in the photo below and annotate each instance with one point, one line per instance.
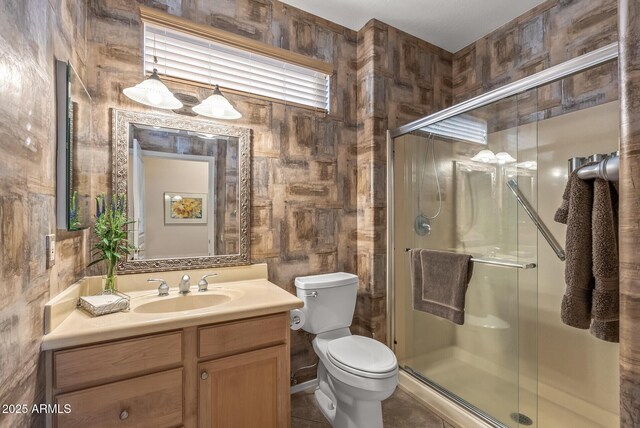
(197, 59)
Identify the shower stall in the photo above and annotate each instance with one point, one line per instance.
(485, 177)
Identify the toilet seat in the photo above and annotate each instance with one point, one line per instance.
(362, 356)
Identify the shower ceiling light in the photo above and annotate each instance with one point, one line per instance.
(217, 107)
(504, 158)
(464, 128)
(530, 165)
(485, 156)
(152, 92)
(203, 135)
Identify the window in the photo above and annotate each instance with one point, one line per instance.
(186, 56)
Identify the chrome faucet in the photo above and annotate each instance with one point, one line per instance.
(203, 284)
(183, 287)
(163, 289)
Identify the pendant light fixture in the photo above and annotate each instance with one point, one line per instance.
(216, 105)
(151, 91)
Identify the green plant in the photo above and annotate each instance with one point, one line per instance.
(112, 237)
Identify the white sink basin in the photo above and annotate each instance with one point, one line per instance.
(182, 303)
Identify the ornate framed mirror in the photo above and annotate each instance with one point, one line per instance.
(187, 183)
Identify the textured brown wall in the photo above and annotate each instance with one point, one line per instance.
(629, 209)
(303, 207)
(32, 35)
(547, 35)
(400, 78)
(318, 196)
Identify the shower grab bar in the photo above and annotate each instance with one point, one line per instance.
(498, 262)
(533, 215)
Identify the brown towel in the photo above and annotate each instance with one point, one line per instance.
(439, 280)
(575, 212)
(605, 300)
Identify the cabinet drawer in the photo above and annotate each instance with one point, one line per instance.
(153, 401)
(111, 361)
(241, 336)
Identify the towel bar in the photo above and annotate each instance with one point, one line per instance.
(498, 262)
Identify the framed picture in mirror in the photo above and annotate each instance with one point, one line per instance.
(185, 208)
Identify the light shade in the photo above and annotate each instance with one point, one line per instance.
(152, 92)
(217, 107)
(504, 157)
(485, 156)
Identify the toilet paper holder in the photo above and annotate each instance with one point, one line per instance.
(296, 319)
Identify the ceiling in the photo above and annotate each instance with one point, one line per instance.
(450, 24)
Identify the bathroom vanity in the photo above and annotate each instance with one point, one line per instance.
(221, 363)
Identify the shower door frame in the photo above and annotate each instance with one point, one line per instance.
(568, 68)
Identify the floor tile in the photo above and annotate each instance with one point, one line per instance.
(304, 423)
(403, 411)
(398, 411)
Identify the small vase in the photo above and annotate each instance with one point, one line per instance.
(109, 284)
(110, 280)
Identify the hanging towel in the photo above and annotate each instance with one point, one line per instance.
(575, 212)
(605, 300)
(439, 281)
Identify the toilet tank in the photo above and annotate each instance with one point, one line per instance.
(329, 300)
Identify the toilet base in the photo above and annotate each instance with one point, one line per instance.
(327, 407)
(357, 414)
(348, 400)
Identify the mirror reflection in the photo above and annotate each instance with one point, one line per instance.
(183, 192)
(75, 151)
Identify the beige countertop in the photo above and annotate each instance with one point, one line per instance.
(250, 295)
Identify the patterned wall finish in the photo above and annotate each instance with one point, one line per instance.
(629, 209)
(318, 190)
(400, 78)
(548, 35)
(303, 206)
(32, 35)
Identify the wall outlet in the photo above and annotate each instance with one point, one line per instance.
(50, 250)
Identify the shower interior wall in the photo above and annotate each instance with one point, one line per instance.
(570, 375)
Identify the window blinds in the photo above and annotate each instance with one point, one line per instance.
(185, 56)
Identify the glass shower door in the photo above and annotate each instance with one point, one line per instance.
(451, 194)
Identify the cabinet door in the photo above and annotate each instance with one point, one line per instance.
(245, 390)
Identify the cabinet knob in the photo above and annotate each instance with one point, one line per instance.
(124, 415)
(204, 375)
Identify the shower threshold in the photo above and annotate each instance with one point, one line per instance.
(455, 399)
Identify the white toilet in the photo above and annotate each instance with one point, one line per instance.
(355, 373)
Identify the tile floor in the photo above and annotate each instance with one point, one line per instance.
(398, 411)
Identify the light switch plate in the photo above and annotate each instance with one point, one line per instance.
(50, 250)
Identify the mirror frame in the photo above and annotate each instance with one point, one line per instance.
(64, 148)
(121, 123)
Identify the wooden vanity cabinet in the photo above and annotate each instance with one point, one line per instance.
(245, 390)
(233, 374)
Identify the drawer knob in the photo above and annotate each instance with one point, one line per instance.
(124, 415)
(204, 375)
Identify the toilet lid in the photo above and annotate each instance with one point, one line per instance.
(358, 354)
